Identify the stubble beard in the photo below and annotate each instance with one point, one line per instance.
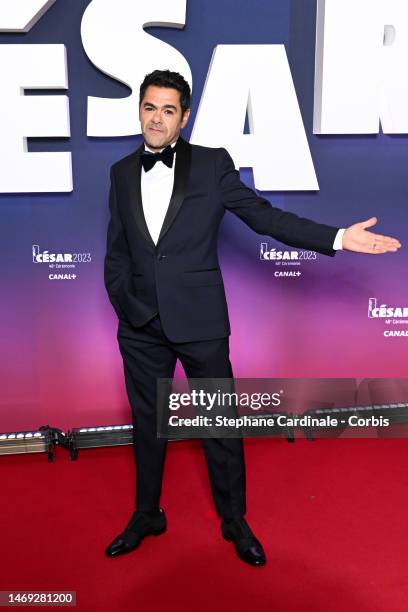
(158, 145)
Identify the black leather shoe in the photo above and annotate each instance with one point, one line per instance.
(140, 525)
(248, 548)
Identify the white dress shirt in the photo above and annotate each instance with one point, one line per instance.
(338, 241)
(157, 187)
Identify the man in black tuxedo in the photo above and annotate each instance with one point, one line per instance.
(162, 275)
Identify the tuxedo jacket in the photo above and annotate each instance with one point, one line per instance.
(180, 278)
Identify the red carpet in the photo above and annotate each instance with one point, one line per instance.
(331, 515)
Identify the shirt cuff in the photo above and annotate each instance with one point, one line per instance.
(338, 241)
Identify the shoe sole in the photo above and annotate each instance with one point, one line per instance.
(158, 531)
(229, 538)
(129, 550)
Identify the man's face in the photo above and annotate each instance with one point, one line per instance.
(160, 116)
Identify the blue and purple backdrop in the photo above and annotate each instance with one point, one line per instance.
(59, 358)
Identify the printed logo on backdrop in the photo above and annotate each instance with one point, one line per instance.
(60, 266)
(389, 315)
(357, 87)
(288, 263)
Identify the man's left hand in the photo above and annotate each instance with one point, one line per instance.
(358, 239)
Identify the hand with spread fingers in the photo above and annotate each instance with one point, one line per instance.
(358, 239)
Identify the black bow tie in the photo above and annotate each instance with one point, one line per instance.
(149, 159)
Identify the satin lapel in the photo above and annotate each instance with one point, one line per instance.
(181, 176)
(135, 191)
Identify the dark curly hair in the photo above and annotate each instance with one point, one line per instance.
(166, 78)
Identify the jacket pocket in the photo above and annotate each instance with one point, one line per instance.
(138, 282)
(202, 278)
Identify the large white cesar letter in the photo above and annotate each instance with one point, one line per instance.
(256, 79)
(21, 116)
(114, 40)
(21, 15)
(361, 76)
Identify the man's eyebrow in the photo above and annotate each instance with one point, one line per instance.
(164, 105)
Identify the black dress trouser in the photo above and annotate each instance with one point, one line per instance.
(148, 355)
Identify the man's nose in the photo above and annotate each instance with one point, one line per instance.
(156, 116)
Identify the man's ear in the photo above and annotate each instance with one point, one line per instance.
(185, 118)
